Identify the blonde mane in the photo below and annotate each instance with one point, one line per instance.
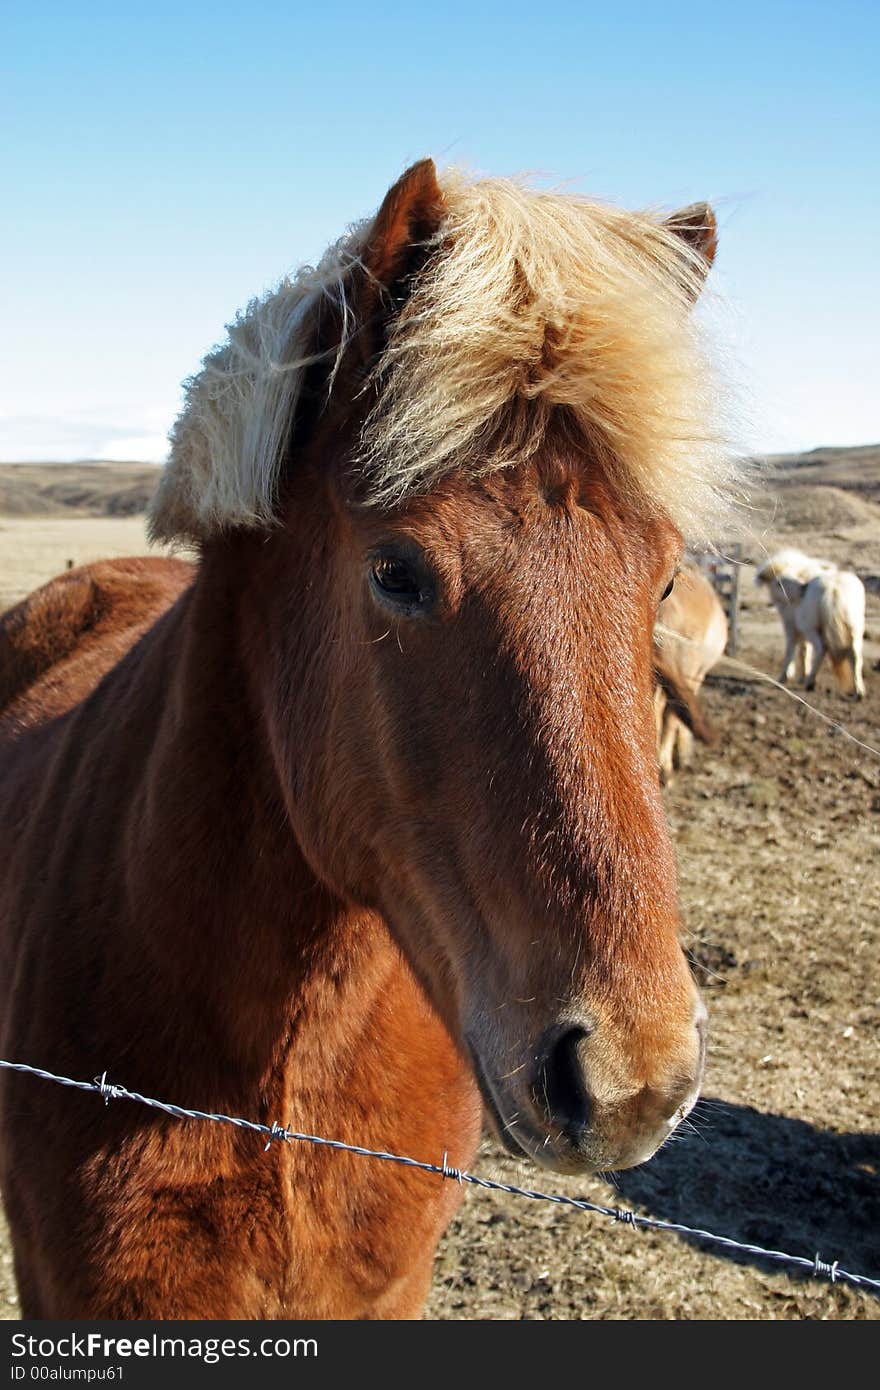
(531, 307)
(792, 564)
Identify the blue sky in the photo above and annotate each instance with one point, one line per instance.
(163, 163)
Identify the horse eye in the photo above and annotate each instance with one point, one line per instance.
(668, 590)
(397, 579)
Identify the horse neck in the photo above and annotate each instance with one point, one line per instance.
(253, 957)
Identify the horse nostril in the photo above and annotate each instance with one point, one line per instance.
(562, 1083)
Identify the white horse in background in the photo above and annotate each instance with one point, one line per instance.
(786, 575)
(822, 609)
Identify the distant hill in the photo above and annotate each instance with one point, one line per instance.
(851, 475)
(855, 469)
(76, 489)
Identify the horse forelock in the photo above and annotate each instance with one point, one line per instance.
(528, 306)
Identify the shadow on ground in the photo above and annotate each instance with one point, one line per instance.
(768, 1181)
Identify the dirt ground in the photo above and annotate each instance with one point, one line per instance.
(777, 833)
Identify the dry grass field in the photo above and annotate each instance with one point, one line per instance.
(33, 549)
(54, 516)
(778, 839)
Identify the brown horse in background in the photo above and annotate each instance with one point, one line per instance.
(66, 634)
(358, 826)
(690, 637)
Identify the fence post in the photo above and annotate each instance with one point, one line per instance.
(722, 571)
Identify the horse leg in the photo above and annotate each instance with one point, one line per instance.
(685, 749)
(791, 658)
(817, 652)
(857, 669)
(667, 747)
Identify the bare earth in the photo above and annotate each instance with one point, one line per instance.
(778, 833)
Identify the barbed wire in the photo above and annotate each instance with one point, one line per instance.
(763, 678)
(817, 1267)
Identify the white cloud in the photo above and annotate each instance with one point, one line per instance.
(138, 448)
(50, 439)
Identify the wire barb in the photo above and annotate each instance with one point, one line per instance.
(628, 1218)
(447, 1171)
(105, 1090)
(277, 1132)
(824, 1271)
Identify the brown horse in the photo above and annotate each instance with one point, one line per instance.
(364, 829)
(690, 637)
(66, 634)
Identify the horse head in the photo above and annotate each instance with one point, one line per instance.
(455, 462)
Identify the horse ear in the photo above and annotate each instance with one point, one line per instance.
(698, 229)
(398, 242)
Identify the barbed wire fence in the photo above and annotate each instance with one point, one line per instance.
(829, 1270)
(111, 1091)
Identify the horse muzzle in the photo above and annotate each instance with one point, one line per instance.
(572, 1110)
